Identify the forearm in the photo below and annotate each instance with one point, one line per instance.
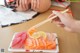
(76, 26)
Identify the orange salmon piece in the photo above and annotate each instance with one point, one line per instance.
(31, 31)
(30, 43)
(52, 46)
(41, 44)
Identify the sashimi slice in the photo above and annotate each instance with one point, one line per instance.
(16, 41)
(19, 40)
(51, 46)
(31, 31)
(20, 34)
(41, 43)
(30, 43)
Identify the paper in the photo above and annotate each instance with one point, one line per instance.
(8, 17)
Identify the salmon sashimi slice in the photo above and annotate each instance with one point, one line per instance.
(30, 43)
(31, 31)
(40, 43)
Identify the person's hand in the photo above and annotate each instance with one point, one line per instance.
(40, 5)
(22, 5)
(64, 20)
(35, 4)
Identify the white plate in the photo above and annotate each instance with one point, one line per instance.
(24, 50)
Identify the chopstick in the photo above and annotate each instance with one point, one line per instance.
(43, 22)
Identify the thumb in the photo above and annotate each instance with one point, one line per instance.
(59, 14)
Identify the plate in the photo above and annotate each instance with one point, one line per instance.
(56, 50)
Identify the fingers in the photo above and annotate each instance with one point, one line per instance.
(22, 5)
(64, 17)
(57, 19)
(38, 4)
(19, 8)
(59, 23)
(59, 14)
(64, 20)
(61, 18)
(33, 4)
(17, 3)
(26, 4)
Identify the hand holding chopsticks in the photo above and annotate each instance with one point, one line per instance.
(43, 22)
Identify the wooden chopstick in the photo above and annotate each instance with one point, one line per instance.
(43, 22)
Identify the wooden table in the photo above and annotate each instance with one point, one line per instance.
(68, 42)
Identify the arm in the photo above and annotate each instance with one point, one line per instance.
(76, 26)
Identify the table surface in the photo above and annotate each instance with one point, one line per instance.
(68, 42)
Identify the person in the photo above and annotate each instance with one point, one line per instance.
(24, 5)
(66, 21)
